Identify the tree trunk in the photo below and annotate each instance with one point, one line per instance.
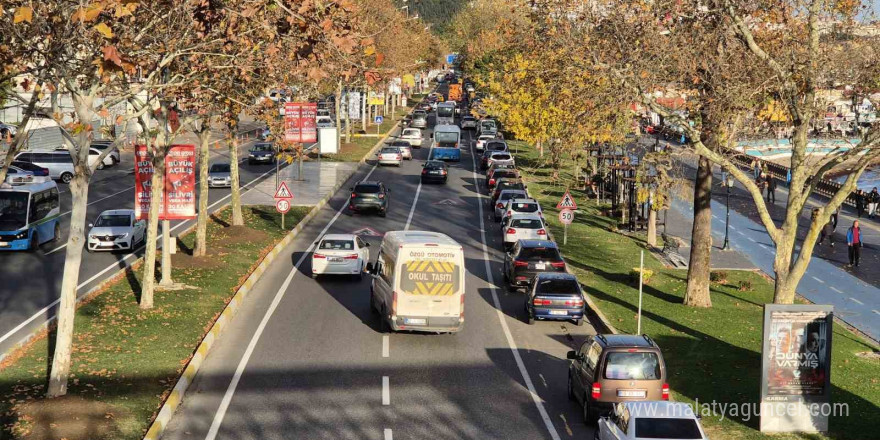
(540, 146)
(364, 110)
(784, 289)
(148, 283)
(201, 247)
(697, 294)
(393, 106)
(299, 163)
(347, 119)
(79, 192)
(237, 218)
(652, 228)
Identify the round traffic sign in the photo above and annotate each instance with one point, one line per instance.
(282, 206)
(566, 216)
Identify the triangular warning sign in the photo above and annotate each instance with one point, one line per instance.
(567, 202)
(283, 192)
(368, 232)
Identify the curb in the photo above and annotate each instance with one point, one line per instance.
(108, 280)
(157, 427)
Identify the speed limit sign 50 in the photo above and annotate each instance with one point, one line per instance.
(566, 216)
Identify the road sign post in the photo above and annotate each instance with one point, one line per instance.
(378, 120)
(566, 216)
(282, 200)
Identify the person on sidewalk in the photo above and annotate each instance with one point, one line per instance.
(756, 168)
(873, 200)
(854, 243)
(860, 202)
(771, 188)
(827, 230)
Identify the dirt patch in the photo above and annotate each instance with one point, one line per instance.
(69, 417)
(185, 261)
(232, 235)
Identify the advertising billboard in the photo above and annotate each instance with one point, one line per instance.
(796, 368)
(143, 175)
(354, 105)
(178, 200)
(300, 123)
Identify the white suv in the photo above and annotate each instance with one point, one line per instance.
(523, 227)
(521, 206)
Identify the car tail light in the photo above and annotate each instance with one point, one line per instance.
(541, 302)
(320, 256)
(542, 232)
(574, 302)
(350, 257)
(499, 206)
(399, 157)
(381, 196)
(491, 182)
(443, 172)
(510, 231)
(665, 393)
(559, 265)
(520, 264)
(596, 391)
(424, 171)
(353, 195)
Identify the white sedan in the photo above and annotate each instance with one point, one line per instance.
(390, 156)
(521, 206)
(523, 227)
(413, 136)
(117, 229)
(340, 254)
(481, 141)
(650, 420)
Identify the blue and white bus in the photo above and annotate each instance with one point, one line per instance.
(445, 144)
(446, 113)
(29, 215)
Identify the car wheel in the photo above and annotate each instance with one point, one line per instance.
(57, 232)
(35, 243)
(66, 177)
(101, 165)
(360, 274)
(531, 320)
(579, 322)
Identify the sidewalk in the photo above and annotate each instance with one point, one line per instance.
(319, 179)
(680, 222)
(853, 293)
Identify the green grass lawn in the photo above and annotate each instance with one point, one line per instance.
(711, 354)
(129, 359)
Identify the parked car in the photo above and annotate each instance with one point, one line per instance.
(220, 175)
(36, 170)
(419, 119)
(528, 258)
(369, 196)
(497, 174)
(608, 369)
(650, 420)
(487, 126)
(413, 136)
(522, 227)
(468, 123)
(390, 156)
(59, 163)
(95, 156)
(521, 206)
(503, 197)
(405, 148)
(504, 184)
(435, 171)
(18, 176)
(340, 254)
(481, 141)
(499, 156)
(500, 166)
(324, 121)
(116, 229)
(105, 144)
(555, 296)
(262, 152)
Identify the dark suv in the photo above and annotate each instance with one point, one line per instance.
(608, 369)
(528, 258)
(369, 196)
(555, 296)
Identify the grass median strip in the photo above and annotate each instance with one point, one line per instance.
(126, 360)
(712, 355)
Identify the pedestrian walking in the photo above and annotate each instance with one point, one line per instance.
(761, 181)
(834, 217)
(873, 200)
(860, 202)
(827, 230)
(756, 168)
(771, 189)
(854, 243)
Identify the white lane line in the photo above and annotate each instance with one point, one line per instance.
(715, 216)
(836, 289)
(856, 301)
(386, 391)
(44, 310)
(412, 209)
(388, 435)
(501, 317)
(731, 227)
(740, 233)
(817, 279)
(876, 312)
(385, 348)
(233, 384)
(751, 239)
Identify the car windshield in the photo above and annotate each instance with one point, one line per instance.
(539, 253)
(220, 168)
(487, 125)
(434, 165)
(526, 223)
(368, 189)
(411, 132)
(113, 220)
(656, 427)
(632, 366)
(525, 207)
(505, 173)
(419, 114)
(263, 147)
(503, 185)
(565, 286)
(13, 210)
(337, 245)
(507, 195)
(390, 150)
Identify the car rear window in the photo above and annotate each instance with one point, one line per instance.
(369, 189)
(527, 223)
(343, 245)
(496, 146)
(539, 253)
(400, 144)
(509, 195)
(501, 157)
(525, 207)
(656, 427)
(434, 165)
(504, 173)
(393, 150)
(558, 286)
(644, 365)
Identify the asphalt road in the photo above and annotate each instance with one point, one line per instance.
(305, 358)
(32, 281)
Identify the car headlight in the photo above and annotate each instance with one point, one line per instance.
(122, 236)
(20, 235)
(253, 155)
(92, 237)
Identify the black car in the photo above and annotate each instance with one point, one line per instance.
(369, 196)
(435, 171)
(529, 258)
(27, 166)
(555, 296)
(262, 152)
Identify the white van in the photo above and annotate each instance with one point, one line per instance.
(418, 282)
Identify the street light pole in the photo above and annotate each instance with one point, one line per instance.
(727, 182)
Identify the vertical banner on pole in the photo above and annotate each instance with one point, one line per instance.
(292, 122)
(308, 122)
(354, 105)
(143, 180)
(178, 198)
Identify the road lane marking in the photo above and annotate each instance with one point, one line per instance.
(731, 227)
(740, 233)
(836, 289)
(856, 301)
(239, 371)
(44, 310)
(751, 239)
(527, 379)
(876, 312)
(715, 217)
(388, 435)
(385, 348)
(817, 279)
(386, 391)
(412, 209)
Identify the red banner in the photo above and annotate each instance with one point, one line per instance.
(300, 123)
(179, 195)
